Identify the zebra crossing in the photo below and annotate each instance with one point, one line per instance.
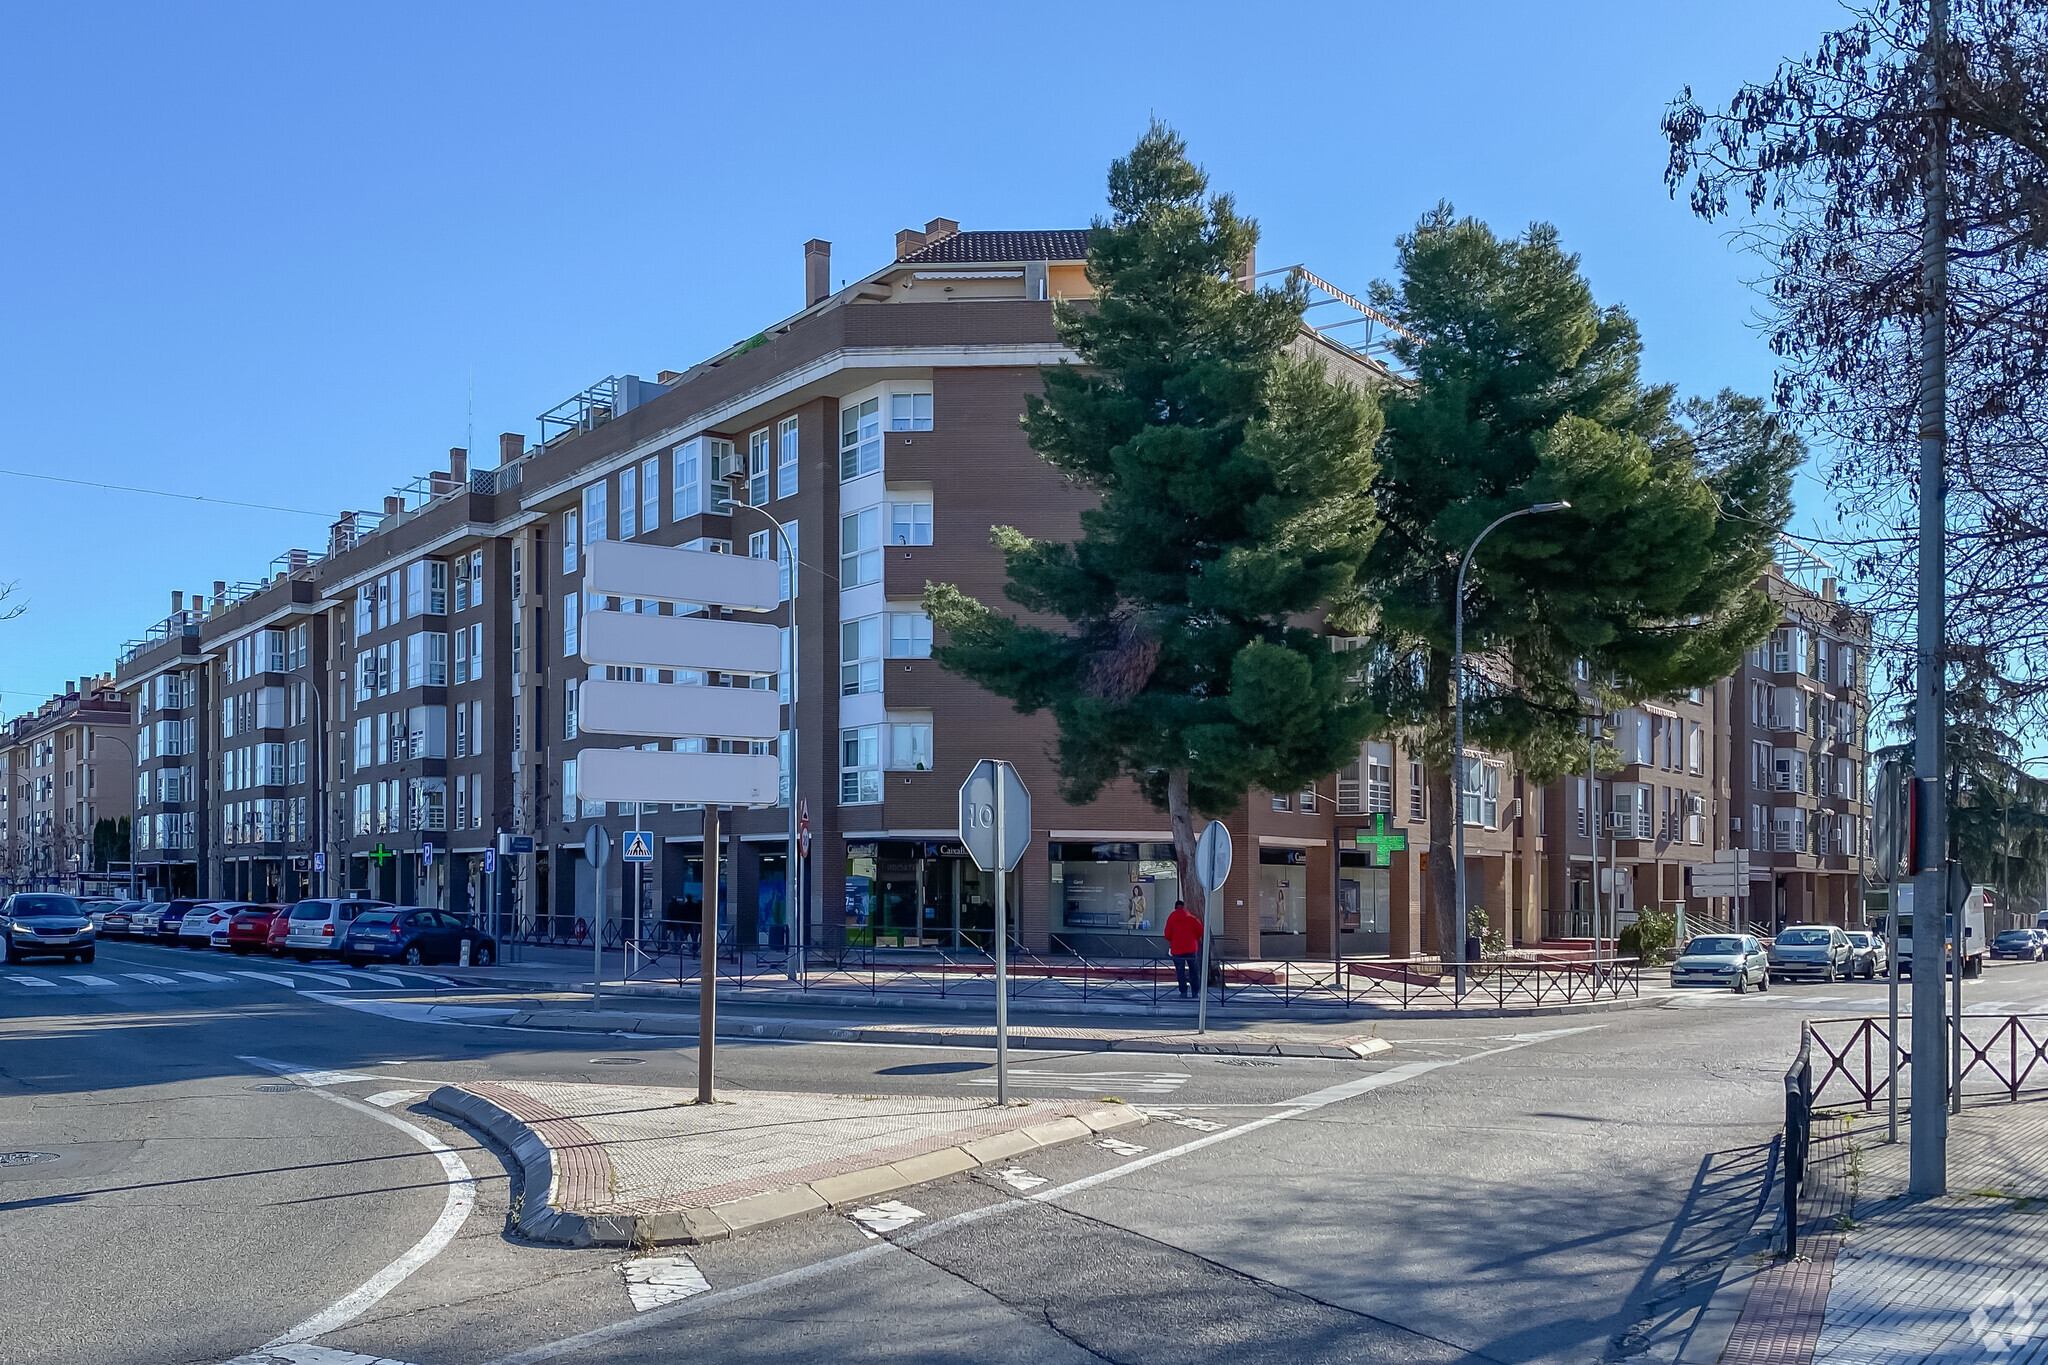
(27, 980)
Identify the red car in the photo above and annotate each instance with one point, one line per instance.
(249, 931)
(280, 925)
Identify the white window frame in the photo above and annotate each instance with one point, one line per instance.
(686, 479)
(860, 765)
(650, 494)
(629, 502)
(759, 453)
(860, 655)
(860, 548)
(788, 456)
(910, 410)
(910, 522)
(910, 635)
(860, 438)
(596, 512)
(910, 746)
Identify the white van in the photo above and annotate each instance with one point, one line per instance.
(318, 927)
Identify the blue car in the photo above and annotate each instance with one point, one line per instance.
(414, 935)
(172, 920)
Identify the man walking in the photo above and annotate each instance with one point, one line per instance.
(1184, 941)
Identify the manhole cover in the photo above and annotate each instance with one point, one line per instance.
(617, 1061)
(26, 1158)
(274, 1088)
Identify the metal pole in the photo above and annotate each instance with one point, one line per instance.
(1955, 1027)
(1891, 958)
(1202, 980)
(1002, 950)
(1929, 1163)
(596, 934)
(629, 964)
(707, 961)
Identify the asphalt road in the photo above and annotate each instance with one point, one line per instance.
(1490, 1190)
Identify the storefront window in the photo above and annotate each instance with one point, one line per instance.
(1363, 897)
(1114, 888)
(920, 893)
(1283, 891)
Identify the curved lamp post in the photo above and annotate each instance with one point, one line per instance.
(1458, 723)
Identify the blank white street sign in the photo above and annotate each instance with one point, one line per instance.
(659, 775)
(662, 710)
(663, 573)
(628, 639)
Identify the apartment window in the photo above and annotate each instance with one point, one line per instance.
(462, 803)
(227, 720)
(757, 468)
(786, 457)
(910, 635)
(910, 746)
(366, 609)
(570, 540)
(1846, 672)
(1379, 779)
(860, 554)
(462, 732)
(687, 478)
(787, 583)
(860, 765)
(461, 651)
(860, 439)
(518, 564)
(910, 523)
(270, 652)
(362, 810)
(569, 690)
(1481, 793)
(427, 659)
(270, 713)
(910, 412)
(462, 581)
(1418, 793)
(860, 656)
(1695, 749)
(1823, 663)
(387, 599)
(629, 503)
(270, 766)
(1283, 802)
(650, 495)
(1308, 800)
(572, 643)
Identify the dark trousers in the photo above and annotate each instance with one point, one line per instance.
(1187, 968)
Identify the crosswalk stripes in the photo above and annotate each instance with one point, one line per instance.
(151, 978)
(182, 979)
(82, 979)
(331, 980)
(274, 979)
(201, 976)
(38, 981)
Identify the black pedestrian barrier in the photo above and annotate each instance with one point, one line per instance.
(1798, 1132)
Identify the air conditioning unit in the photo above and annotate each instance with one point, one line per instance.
(1694, 805)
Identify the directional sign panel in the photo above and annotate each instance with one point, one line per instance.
(1715, 879)
(659, 775)
(660, 710)
(662, 573)
(627, 639)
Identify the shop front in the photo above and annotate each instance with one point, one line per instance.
(1111, 898)
(1283, 902)
(920, 893)
(1364, 901)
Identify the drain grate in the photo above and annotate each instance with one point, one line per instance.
(617, 1061)
(27, 1158)
(274, 1088)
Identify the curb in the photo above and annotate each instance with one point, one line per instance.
(682, 1026)
(1707, 1340)
(543, 1221)
(846, 1000)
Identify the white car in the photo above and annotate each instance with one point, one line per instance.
(203, 922)
(142, 923)
(317, 927)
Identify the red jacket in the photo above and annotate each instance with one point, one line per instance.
(1183, 933)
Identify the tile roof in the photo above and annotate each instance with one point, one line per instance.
(1060, 244)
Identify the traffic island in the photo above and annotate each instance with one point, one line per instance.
(616, 1165)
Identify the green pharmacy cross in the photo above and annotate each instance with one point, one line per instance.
(1382, 844)
(381, 854)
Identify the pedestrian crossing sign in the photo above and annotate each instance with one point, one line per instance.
(639, 848)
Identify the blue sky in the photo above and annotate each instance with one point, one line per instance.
(276, 254)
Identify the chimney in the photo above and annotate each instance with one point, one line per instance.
(1827, 590)
(394, 504)
(939, 229)
(220, 594)
(908, 241)
(667, 377)
(177, 601)
(297, 559)
(1249, 268)
(458, 464)
(511, 445)
(818, 270)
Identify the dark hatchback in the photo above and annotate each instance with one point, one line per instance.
(414, 936)
(172, 920)
(46, 926)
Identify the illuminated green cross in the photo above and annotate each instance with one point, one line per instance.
(381, 854)
(1382, 844)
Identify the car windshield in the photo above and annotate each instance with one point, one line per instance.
(1808, 937)
(2009, 936)
(381, 919)
(1860, 939)
(28, 906)
(320, 910)
(1702, 947)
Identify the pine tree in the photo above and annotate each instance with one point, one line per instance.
(1234, 478)
(1525, 391)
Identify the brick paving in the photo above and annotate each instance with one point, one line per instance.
(641, 1150)
(1782, 1319)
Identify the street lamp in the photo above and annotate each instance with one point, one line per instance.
(792, 877)
(1458, 722)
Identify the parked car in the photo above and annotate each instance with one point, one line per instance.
(249, 929)
(1816, 950)
(96, 909)
(2024, 944)
(196, 930)
(142, 923)
(170, 918)
(1867, 955)
(1736, 961)
(319, 926)
(280, 926)
(41, 924)
(414, 935)
(119, 920)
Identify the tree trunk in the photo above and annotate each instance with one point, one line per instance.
(1443, 810)
(1184, 834)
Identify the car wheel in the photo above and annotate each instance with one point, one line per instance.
(414, 957)
(70, 959)
(303, 957)
(1828, 976)
(86, 957)
(12, 956)
(1763, 986)
(239, 950)
(1742, 983)
(482, 956)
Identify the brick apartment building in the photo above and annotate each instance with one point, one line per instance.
(63, 767)
(374, 716)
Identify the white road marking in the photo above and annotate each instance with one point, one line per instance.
(1183, 1120)
(1119, 1146)
(442, 980)
(386, 1099)
(419, 1012)
(151, 978)
(43, 981)
(274, 979)
(305, 1353)
(1090, 1082)
(394, 981)
(211, 976)
(330, 978)
(657, 1281)
(82, 979)
(455, 1211)
(837, 1266)
(886, 1216)
(1017, 1178)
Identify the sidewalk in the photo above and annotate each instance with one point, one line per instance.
(1885, 1279)
(625, 1165)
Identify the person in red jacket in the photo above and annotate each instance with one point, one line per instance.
(1184, 941)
